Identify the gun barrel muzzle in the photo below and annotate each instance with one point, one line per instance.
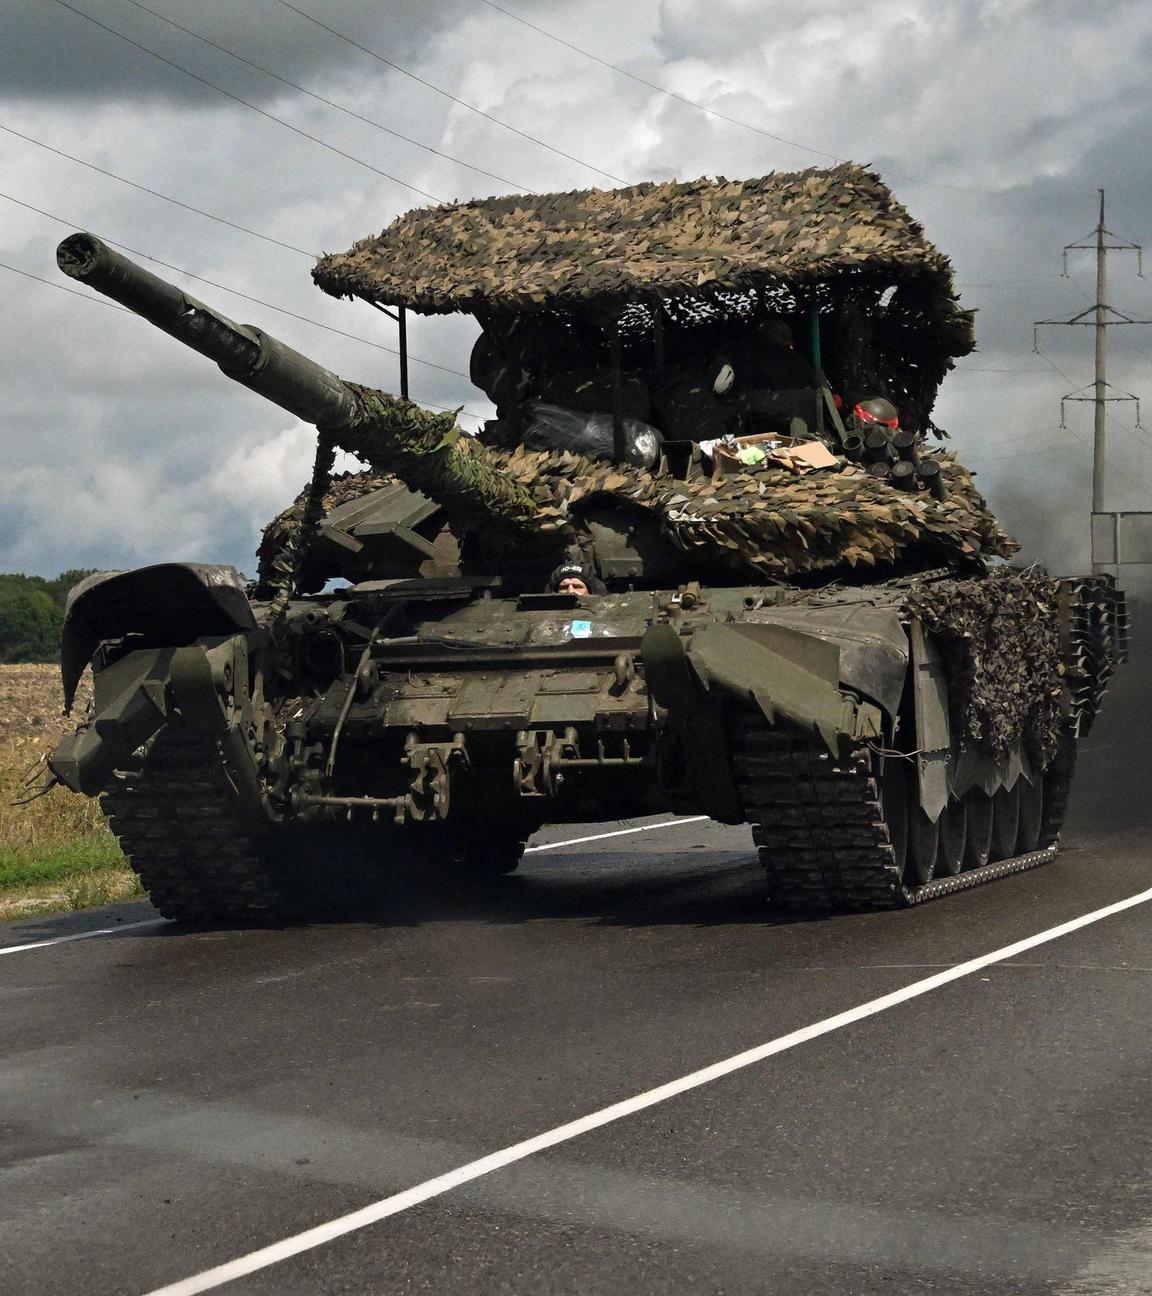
(244, 353)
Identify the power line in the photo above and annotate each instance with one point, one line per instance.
(967, 369)
(653, 85)
(75, 292)
(735, 121)
(296, 130)
(1052, 281)
(212, 283)
(99, 301)
(331, 103)
(440, 91)
(155, 193)
(1108, 469)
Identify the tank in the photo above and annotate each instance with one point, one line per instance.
(692, 566)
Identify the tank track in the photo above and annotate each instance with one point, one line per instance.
(175, 819)
(820, 830)
(1057, 789)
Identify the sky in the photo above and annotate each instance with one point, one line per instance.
(295, 127)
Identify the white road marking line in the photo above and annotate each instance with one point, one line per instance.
(103, 931)
(620, 832)
(157, 922)
(402, 1201)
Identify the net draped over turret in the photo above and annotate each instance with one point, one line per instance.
(619, 305)
(696, 253)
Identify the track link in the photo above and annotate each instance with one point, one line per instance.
(822, 837)
(174, 816)
(817, 824)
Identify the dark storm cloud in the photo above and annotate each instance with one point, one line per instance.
(52, 54)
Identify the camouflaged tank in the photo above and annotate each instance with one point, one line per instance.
(838, 655)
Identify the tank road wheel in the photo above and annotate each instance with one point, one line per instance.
(978, 843)
(1031, 796)
(1005, 821)
(849, 832)
(175, 818)
(953, 837)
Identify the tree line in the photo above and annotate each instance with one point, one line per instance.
(32, 614)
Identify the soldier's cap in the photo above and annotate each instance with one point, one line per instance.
(578, 571)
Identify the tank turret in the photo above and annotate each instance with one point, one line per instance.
(774, 525)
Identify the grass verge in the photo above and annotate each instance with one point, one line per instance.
(93, 885)
(56, 853)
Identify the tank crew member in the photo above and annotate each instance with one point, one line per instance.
(511, 362)
(575, 578)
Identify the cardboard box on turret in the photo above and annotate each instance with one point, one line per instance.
(753, 453)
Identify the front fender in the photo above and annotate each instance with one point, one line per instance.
(170, 605)
(200, 686)
(787, 675)
(779, 670)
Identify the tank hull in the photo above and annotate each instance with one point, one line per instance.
(436, 718)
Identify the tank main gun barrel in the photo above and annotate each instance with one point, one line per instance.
(425, 450)
(244, 353)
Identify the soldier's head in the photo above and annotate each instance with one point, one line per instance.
(875, 412)
(574, 578)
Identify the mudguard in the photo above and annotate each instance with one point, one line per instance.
(170, 605)
(781, 670)
(785, 673)
(135, 696)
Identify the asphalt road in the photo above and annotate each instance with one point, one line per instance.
(173, 1099)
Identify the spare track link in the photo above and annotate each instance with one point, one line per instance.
(821, 835)
(176, 822)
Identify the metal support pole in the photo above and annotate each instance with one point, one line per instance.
(816, 359)
(617, 394)
(402, 321)
(1100, 317)
(1098, 430)
(814, 338)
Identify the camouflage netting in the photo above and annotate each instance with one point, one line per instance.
(698, 251)
(1000, 635)
(431, 453)
(279, 536)
(647, 242)
(774, 524)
